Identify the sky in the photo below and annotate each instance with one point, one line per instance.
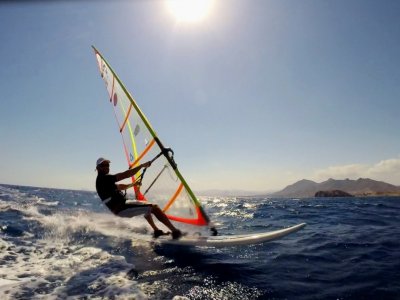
(253, 96)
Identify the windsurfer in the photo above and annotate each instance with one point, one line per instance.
(110, 194)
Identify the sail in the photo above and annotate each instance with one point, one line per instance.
(161, 183)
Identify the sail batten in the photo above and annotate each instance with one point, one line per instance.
(178, 191)
(126, 119)
(147, 149)
(163, 183)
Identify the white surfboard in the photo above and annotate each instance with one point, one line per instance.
(229, 240)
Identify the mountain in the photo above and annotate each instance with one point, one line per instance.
(360, 187)
(302, 188)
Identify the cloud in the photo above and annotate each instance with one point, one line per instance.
(385, 170)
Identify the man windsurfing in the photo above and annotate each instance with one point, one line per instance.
(110, 193)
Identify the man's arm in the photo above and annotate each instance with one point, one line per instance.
(131, 172)
(122, 187)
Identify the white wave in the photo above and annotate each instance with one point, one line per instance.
(48, 263)
(43, 201)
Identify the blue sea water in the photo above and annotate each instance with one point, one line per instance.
(63, 244)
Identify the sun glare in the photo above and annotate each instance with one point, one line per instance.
(189, 10)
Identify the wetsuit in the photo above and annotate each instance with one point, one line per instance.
(115, 200)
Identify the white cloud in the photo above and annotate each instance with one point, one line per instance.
(385, 170)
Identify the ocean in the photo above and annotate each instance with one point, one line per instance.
(63, 244)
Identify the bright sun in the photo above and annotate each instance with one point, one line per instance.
(189, 10)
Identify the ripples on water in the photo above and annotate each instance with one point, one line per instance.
(58, 244)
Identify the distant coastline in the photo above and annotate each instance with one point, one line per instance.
(332, 193)
(362, 187)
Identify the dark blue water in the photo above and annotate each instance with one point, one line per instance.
(58, 244)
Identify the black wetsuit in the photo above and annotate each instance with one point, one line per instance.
(113, 198)
(106, 189)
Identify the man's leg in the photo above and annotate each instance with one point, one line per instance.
(176, 233)
(149, 219)
(134, 209)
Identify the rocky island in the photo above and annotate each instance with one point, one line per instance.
(332, 193)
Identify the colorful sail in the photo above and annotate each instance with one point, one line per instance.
(162, 183)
